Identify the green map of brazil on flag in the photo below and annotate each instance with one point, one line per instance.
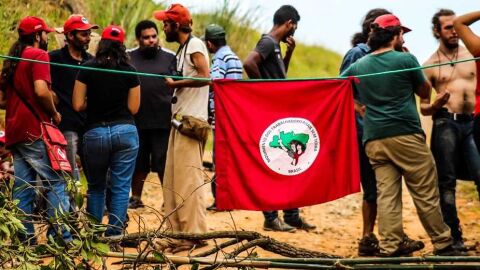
(282, 145)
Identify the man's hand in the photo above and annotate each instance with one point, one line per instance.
(57, 118)
(362, 111)
(441, 100)
(169, 82)
(290, 44)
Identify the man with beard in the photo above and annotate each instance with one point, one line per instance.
(29, 102)
(452, 142)
(153, 118)
(77, 32)
(183, 185)
(395, 142)
(266, 62)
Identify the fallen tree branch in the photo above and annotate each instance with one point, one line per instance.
(266, 243)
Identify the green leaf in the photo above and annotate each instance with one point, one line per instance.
(101, 247)
(79, 200)
(158, 256)
(84, 254)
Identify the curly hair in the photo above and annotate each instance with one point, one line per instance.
(111, 54)
(380, 37)
(362, 37)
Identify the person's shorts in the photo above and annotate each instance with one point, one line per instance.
(152, 153)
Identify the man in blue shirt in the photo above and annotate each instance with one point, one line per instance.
(225, 65)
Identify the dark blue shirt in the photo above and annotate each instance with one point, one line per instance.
(355, 53)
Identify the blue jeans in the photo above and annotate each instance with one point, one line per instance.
(31, 160)
(72, 149)
(453, 140)
(110, 150)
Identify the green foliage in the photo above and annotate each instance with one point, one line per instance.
(11, 11)
(126, 13)
(308, 61)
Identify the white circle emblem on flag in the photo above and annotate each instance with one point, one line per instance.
(289, 146)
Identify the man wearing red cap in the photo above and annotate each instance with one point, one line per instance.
(395, 142)
(77, 32)
(452, 144)
(183, 192)
(30, 101)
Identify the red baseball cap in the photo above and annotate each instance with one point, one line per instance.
(77, 22)
(114, 32)
(389, 20)
(31, 24)
(176, 13)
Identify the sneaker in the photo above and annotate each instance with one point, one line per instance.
(277, 225)
(405, 249)
(459, 245)
(301, 224)
(135, 203)
(368, 246)
(449, 251)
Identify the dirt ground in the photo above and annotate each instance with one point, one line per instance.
(339, 223)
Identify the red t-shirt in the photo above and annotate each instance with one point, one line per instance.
(20, 123)
(477, 92)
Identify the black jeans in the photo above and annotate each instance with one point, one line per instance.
(367, 174)
(290, 215)
(452, 141)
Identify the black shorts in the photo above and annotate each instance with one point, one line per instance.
(152, 153)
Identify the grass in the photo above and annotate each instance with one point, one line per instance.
(308, 61)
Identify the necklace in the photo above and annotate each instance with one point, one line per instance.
(452, 59)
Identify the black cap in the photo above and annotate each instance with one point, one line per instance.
(214, 32)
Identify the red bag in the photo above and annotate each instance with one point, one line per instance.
(56, 145)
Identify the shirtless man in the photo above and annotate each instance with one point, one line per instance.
(452, 112)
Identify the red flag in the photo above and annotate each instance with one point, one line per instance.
(282, 145)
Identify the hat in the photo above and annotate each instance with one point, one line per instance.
(390, 20)
(31, 24)
(114, 32)
(176, 13)
(214, 32)
(77, 22)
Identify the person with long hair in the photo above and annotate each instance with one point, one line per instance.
(452, 144)
(29, 102)
(111, 139)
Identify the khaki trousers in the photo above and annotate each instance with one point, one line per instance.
(183, 185)
(406, 155)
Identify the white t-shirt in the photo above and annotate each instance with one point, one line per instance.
(191, 101)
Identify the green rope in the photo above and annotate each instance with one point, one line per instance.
(103, 69)
(245, 80)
